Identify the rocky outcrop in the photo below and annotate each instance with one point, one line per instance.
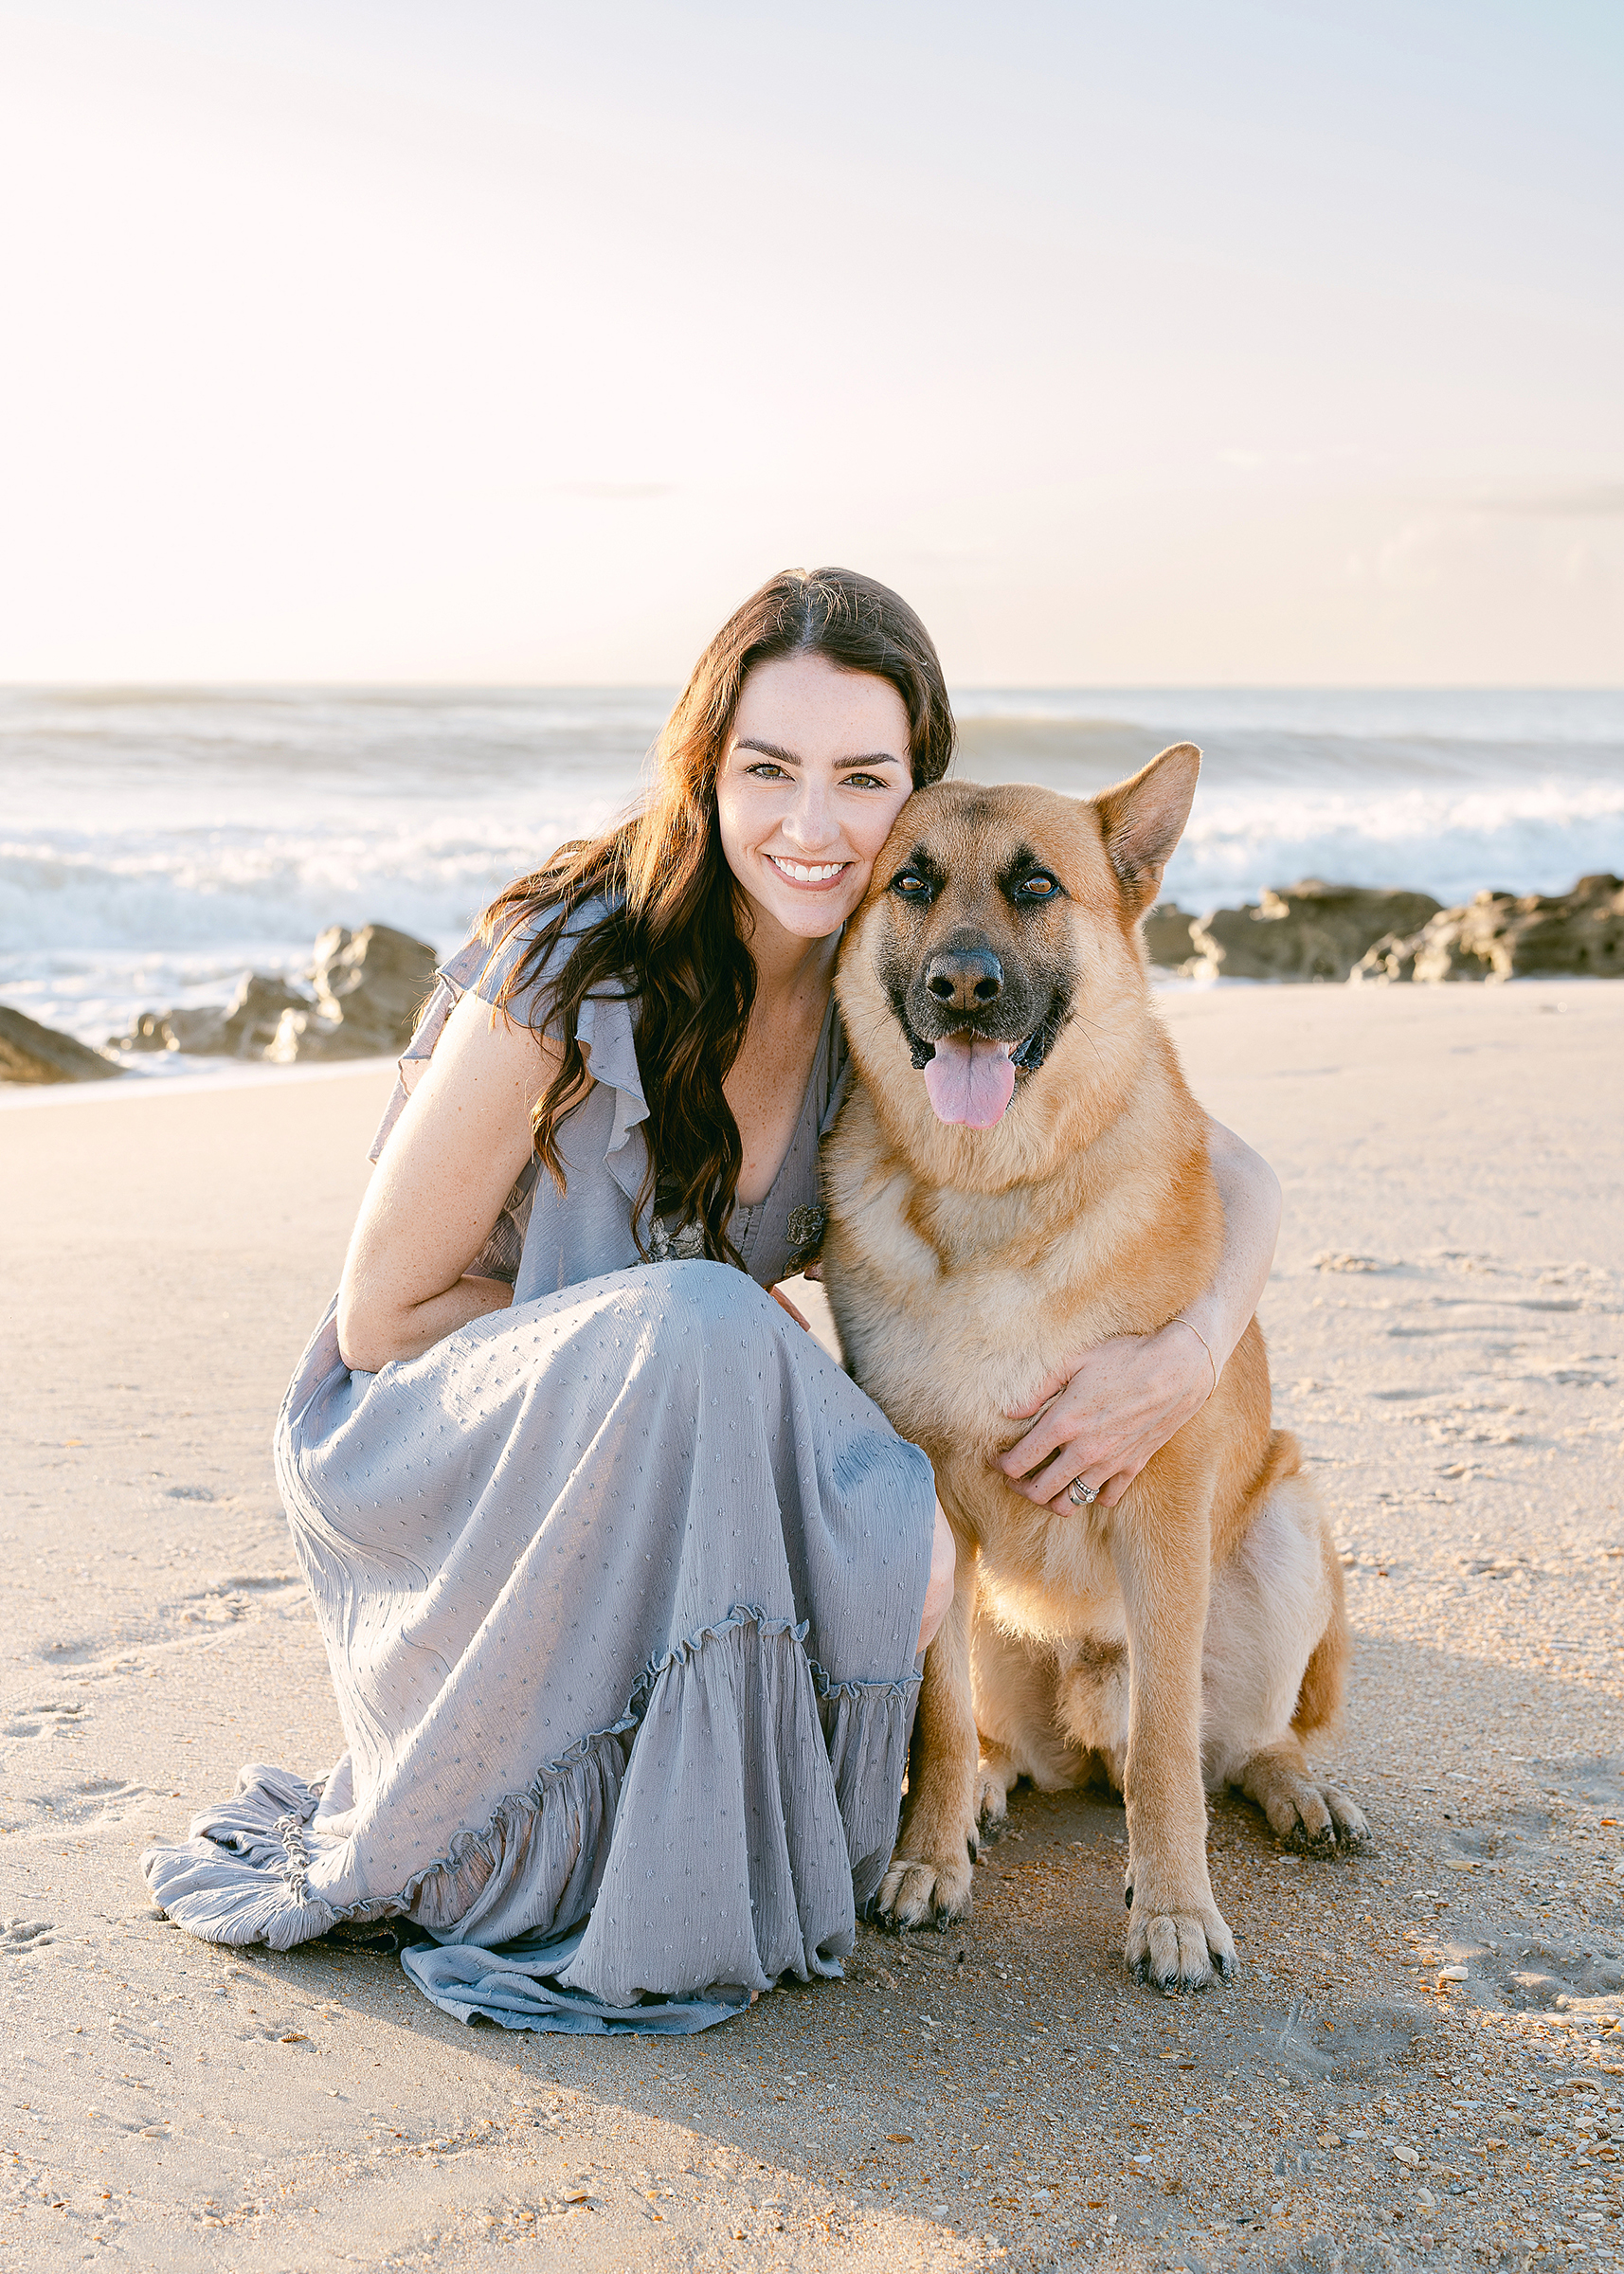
(1306, 932)
(1167, 932)
(242, 1028)
(1502, 935)
(366, 989)
(369, 987)
(32, 1053)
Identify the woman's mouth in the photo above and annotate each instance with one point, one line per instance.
(809, 876)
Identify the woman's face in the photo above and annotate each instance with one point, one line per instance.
(815, 772)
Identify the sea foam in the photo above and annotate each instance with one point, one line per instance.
(154, 846)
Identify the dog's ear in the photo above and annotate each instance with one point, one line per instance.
(1144, 818)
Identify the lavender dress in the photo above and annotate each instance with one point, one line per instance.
(620, 1590)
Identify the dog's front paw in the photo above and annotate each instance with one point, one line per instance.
(922, 1891)
(1179, 1949)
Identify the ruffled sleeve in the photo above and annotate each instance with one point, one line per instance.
(603, 1026)
(603, 1029)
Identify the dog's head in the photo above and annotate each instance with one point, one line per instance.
(997, 941)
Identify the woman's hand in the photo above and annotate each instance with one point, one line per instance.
(1121, 1401)
(1120, 1404)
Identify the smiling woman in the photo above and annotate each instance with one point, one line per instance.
(623, 1582)
(809, 719)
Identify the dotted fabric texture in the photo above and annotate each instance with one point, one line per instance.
(619, 1589)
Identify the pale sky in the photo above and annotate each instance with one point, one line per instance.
(473, 341)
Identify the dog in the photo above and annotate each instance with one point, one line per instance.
(1019, 1173)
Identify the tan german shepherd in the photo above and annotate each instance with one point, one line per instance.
(1020, 1173)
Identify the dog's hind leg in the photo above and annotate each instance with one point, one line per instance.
(1272, 1671)
(928, 1881)
(1303, 1809)
(1093, 1703)
(1013, 1683)
(996, 1778)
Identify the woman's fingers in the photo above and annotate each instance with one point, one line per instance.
(1056, 1427)
(1053, 1480)
(1122, 1403)
(1023, 1460)
(1107, 1496)
(1034, 1404)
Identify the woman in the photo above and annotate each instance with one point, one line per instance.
(623, 1583)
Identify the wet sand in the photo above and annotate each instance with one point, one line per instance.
(1445, 1328)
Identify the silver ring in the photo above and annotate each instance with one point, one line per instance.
(1082, 1496)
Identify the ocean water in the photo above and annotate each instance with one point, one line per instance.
(154, 846)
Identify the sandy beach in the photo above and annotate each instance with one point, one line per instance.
(1422, 2058)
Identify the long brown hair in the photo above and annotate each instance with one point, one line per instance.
(671, 943)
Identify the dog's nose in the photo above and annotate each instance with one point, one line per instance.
(964, 979)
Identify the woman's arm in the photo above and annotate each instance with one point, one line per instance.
(450, 1162)
(1126, 1398)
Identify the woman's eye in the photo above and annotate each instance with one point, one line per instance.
(768, 771)
(865, 781)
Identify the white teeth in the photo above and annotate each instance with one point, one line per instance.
(803, 875)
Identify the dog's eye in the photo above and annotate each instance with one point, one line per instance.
(1039, 886)
(909, 885)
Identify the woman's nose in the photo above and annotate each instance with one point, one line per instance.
(809, 822)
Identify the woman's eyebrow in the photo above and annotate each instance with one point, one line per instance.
(771, 750)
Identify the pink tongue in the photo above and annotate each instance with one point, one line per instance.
(969, 1081)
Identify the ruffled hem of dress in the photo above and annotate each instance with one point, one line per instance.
(519, 1986)
(242, 1875)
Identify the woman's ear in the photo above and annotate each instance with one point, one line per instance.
(1141, 821)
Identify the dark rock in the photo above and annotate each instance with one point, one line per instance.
(150, 1032)
(369, 986)
(1502, 935)
(1167, 932)
(377, 979)
(32, 1053)
(242, 1028)
(306, 1034)
(199, 1029)
(1307, 931)
(254, 1013)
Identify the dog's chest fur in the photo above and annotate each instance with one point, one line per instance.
(956, 1307)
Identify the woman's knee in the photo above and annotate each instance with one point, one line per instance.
(690, 1306)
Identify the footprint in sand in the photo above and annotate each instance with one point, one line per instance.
(41, 1721)
(101, 1800)
(24, 1934)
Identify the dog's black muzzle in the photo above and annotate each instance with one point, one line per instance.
(965, 987)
